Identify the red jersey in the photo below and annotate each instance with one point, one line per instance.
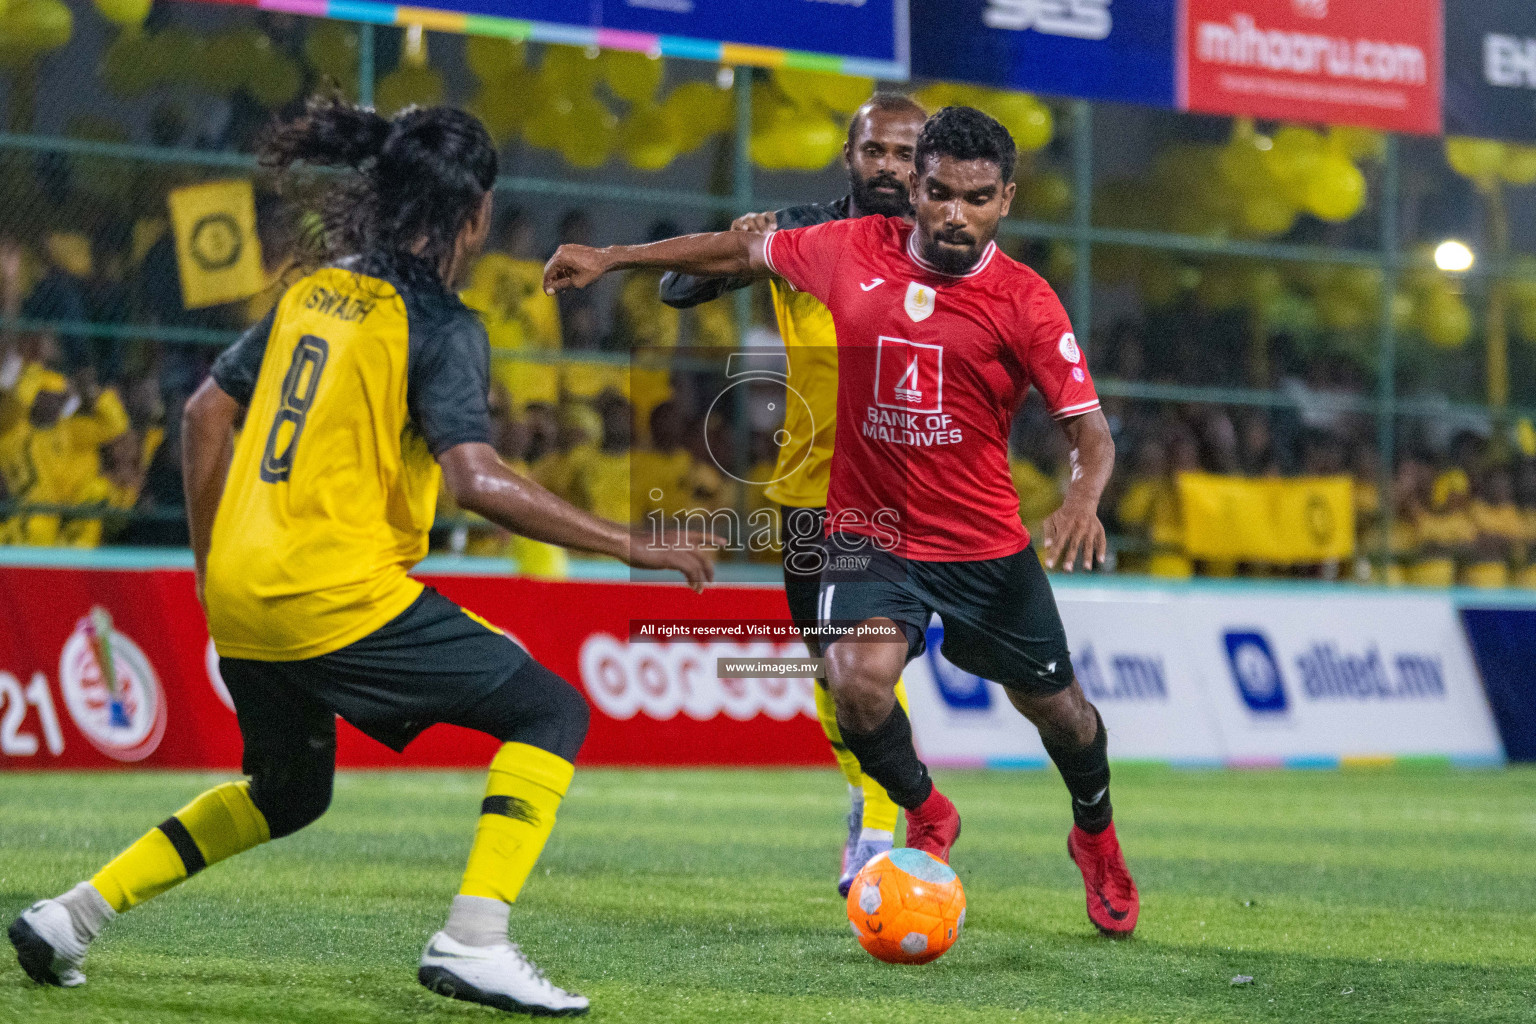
(932, 368)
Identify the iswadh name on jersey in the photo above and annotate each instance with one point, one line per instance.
(1074, 19)
(909, 396)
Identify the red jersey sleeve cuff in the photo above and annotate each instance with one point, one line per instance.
(1066, 412)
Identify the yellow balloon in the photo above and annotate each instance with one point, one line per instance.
(1241, 162)
(408, 85)
(276, 80)
(330, 48)
(127, 13)
(842, 93)
(502, 104)
(177, 54)
(1047, 195)
(1294, 138)
(648, 138)
(1478, 159)
(698, 110)
(1362, 284)
(571, 68)
(1357, 143)
(1292, 158)
(1519, 165)
(491, 57)
(632, 77)
(35, 26)
(1445, 320)
(1340, 311)
(814, 142)
(1336, 189)
(1029, 121)
(591, 136)
(1267, 214)
(939, 95)
(125, 66)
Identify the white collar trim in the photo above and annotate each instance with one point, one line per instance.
(981, 264)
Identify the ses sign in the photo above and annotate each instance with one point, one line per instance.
(1093, 49)
(1200, 676)
(1490, 69)
(1330, 61)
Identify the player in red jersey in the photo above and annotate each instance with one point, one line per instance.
(940, 336)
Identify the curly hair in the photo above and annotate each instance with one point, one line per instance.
(965, 133)
(415, 178)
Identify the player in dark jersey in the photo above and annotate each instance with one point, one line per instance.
(364, 388)
(940, 336)
(882, 137)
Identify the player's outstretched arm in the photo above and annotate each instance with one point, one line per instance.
(1074, 528)
(713, 254)
(684, 291)
(481, 483)
(207, 445)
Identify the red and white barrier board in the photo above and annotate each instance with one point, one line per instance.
(652, 703)
(1365, 62)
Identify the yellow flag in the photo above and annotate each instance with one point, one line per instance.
(217, 251)
(1300, 521)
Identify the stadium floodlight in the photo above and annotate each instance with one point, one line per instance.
(1453, 256)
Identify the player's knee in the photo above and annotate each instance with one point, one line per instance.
(862, 679)
(570, 708)
(546, 712)
(292, 796)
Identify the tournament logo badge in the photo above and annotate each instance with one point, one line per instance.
(920, 301)
(1068, 348)
(111, 690)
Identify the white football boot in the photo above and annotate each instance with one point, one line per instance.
(47, 946)
(499, 976)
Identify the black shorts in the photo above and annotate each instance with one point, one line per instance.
(1000, 618)
(803, 559)
(432, 663)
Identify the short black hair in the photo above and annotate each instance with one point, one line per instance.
(965, 133)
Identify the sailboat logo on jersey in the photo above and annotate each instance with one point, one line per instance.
(909, 376)
(920, 300)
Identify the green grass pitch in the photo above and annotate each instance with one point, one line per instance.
(1403, 895)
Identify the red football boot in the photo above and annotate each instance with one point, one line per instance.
(1113, 902)
(934, 826)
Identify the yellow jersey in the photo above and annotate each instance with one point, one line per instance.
(361, 375)
(804, 468)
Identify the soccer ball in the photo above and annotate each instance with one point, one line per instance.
(906, 907)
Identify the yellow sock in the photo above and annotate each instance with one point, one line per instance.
(826, 711)
(218, 824)
(522, 795)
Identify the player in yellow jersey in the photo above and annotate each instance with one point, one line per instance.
(878, 157)
(366, 378)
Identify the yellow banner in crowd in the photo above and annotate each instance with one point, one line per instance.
(217, 251)
(1298, 521)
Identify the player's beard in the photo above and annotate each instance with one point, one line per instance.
(872, 201)
(948, 259)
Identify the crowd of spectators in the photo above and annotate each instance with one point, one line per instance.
(89, 446)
